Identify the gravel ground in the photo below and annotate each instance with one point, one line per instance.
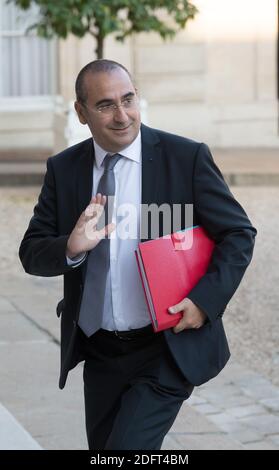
(251, 319)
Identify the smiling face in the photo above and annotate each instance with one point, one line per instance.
(118, 128)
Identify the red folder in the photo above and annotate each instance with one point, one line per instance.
(170, 267)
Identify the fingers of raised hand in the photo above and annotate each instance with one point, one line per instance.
(96, 207)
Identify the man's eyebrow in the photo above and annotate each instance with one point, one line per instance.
(105, 101)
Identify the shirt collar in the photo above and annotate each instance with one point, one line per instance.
(133, 152)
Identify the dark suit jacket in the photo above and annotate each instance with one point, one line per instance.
(175, 170)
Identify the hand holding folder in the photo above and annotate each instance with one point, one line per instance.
(170, 267)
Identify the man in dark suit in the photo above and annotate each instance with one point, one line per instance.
(135, 380)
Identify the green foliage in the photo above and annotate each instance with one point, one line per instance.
(103, 17)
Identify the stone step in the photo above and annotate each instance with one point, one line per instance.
(34, 175)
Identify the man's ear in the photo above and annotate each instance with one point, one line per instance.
(80, 113)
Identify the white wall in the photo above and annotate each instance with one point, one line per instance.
(215, 82)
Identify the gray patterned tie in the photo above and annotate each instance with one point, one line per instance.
(98, 263)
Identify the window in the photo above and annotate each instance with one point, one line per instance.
(27, 63)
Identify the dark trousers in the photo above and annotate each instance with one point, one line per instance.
(133, 391)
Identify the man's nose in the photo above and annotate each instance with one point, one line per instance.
(120, 114)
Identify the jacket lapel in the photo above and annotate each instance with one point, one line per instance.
(151, 168)
(84, 177)
(151, 161)
(84, 184)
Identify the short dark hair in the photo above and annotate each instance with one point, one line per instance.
(96, 66)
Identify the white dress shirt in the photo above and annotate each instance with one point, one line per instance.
(126, 309)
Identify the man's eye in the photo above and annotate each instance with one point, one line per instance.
(107, 106)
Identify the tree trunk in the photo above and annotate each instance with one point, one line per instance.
(100, 47)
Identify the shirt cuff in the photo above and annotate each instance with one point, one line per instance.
(77, 260)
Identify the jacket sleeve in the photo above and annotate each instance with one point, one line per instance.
(43, 251)
(227, 223)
